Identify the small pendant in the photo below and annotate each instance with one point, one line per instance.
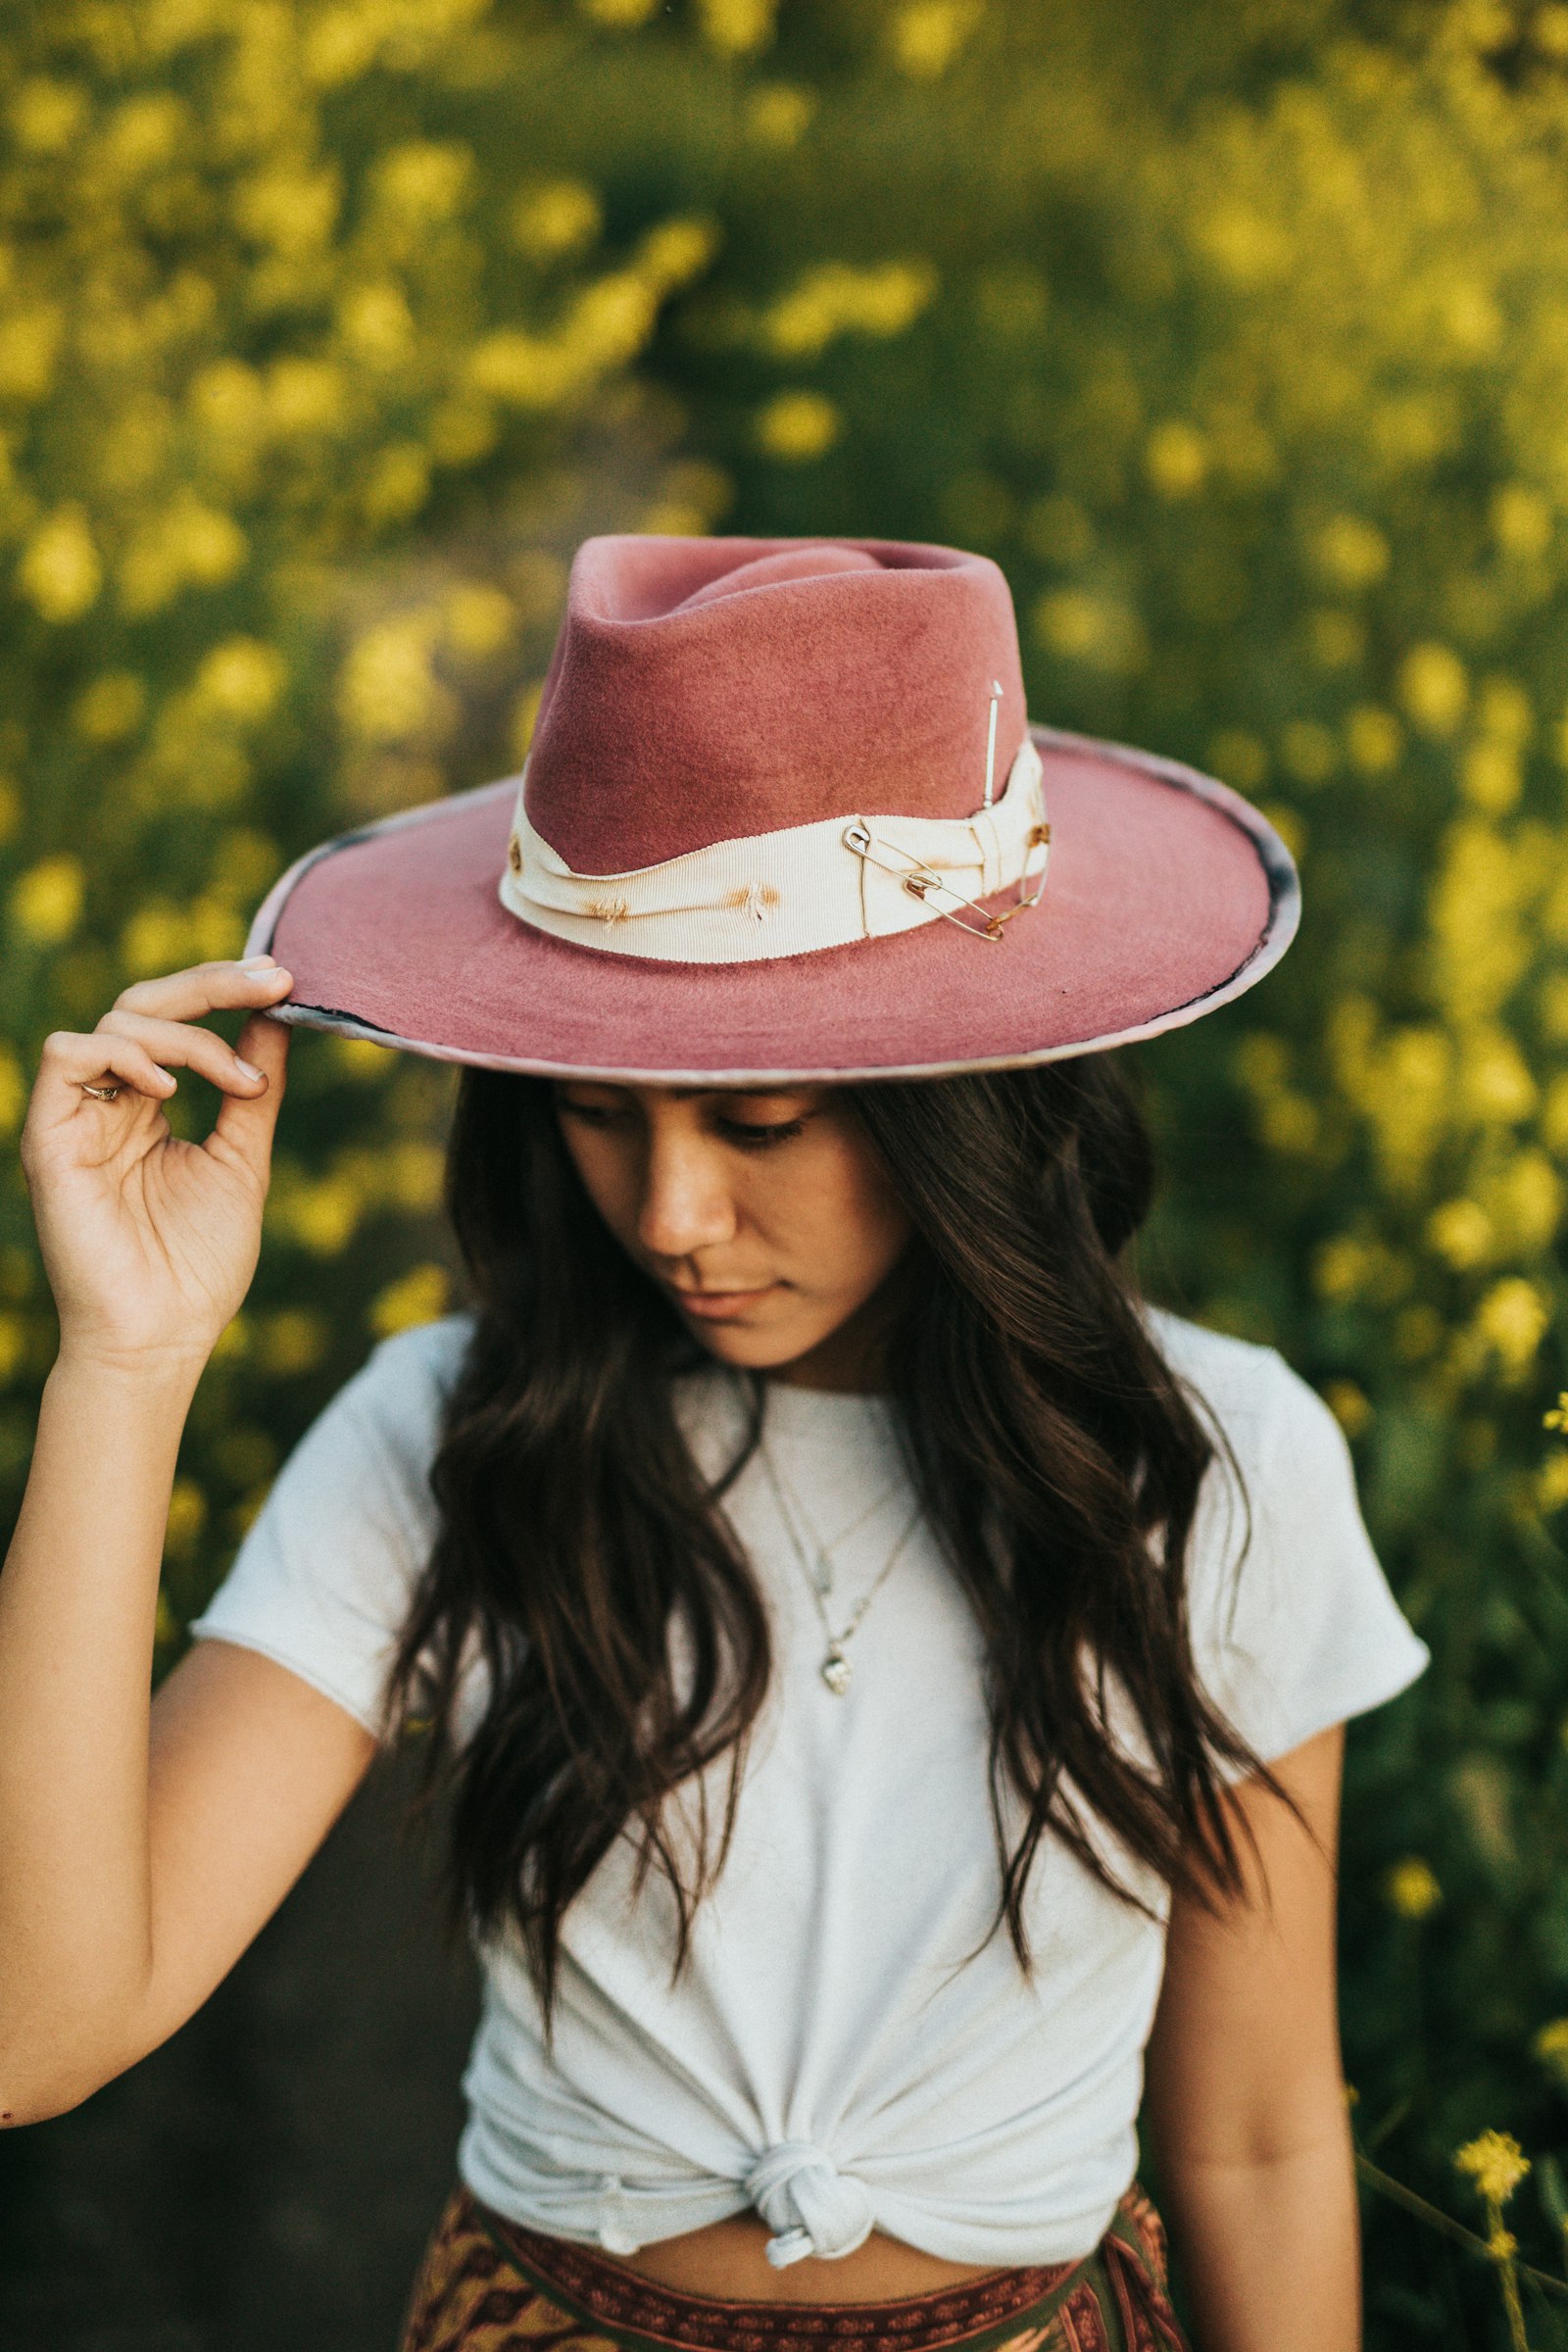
(835, 1671)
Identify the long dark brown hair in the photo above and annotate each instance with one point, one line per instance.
(1058, 1457)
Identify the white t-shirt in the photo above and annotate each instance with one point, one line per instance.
(838, 2052)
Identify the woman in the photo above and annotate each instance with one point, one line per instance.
(890, 1679)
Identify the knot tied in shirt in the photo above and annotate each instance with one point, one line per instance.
(809, 2205)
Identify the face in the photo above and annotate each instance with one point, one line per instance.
(764, 1216)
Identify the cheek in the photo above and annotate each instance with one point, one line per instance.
(845, 1225)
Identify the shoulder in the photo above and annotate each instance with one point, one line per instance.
(368, 1452)
(1280, 1490)
(1247, 1394)
(402, 1389)
(1294, 1624)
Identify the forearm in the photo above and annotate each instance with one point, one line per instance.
(1270, 2251)
(77, 1611)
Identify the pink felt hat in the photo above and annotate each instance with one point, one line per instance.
(784, 818)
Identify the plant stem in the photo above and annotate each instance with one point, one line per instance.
(1387, 2186)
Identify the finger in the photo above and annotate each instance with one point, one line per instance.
(245, 1123)
(70, 1061)
(181, 1045)
(207, 988)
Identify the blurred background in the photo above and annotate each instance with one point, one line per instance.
(1238, 334)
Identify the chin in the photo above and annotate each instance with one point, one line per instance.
(755, 1351)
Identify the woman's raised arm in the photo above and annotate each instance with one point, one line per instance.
(136, 1859)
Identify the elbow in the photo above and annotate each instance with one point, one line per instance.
(22, 2101)
(45, 2076)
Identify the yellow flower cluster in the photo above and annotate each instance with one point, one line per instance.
(1412, 1889)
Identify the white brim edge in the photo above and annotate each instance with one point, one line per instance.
(1280, 928)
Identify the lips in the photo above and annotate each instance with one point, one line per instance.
(719, 1306)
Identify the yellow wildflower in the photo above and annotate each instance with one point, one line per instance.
(376, 323)
(737, 27)
(29, 346)
(798, 427)
(1176, 459)
(188, 1516)
(1461, 1232)
(1512, 1320)
(358, 1057)
(561, 216)
(423, 179)
(1351, 552)
(1496, 2163)
(241, 678)
(1551, 1485)
(46, 900)
(832, 298)
(398, 484)
(927, 36)
(1374, 738)
(291, 1340)
(13, 1092)
(417, 1296)
(1521, 520)
(1096, 630)
(1489, 777)
(779, 113)
(46, 116)
(388, 691)
(60, 570)
(110, 707)
(1434, 688)
(1412, 1889)
(524, 714)
(1551, 2046)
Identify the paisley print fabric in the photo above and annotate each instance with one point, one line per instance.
(486, 2286)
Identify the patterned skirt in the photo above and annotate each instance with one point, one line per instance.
(487, 2285)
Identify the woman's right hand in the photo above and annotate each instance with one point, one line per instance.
(149, 1242)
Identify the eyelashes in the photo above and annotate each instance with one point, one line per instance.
(759, 1138)
(744, 1135)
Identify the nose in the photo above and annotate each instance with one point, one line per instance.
(686, 1201)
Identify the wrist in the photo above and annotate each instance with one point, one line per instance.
(155, 1370)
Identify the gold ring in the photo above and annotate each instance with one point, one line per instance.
(100, 1094)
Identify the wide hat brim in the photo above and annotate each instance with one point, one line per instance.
(1166, 896)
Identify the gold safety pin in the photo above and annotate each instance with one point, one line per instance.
(919, 881)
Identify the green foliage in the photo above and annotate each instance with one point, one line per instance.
(1237, 336)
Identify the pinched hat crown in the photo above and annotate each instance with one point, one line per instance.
(810, 760)
(709, 689)
(807, 763)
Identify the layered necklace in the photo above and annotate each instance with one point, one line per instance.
(815, 1560)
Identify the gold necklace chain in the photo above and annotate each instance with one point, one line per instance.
(835, 1669)
(797, 1517)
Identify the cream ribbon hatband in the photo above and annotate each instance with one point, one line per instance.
(821, 885)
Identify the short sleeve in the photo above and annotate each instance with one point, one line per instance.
(325, 1578)
(1301, 1628)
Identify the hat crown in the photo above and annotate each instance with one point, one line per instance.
(704, 690)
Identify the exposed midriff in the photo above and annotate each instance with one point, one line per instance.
(726, 2260)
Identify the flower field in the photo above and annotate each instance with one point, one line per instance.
(1238, 336)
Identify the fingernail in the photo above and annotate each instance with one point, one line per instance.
(248, 1069)
(167, 1076)
(256, 964)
